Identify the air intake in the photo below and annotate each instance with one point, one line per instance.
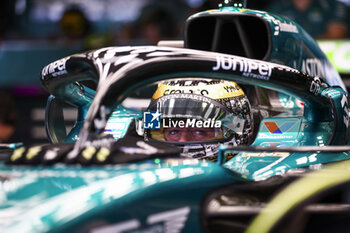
(232, 33)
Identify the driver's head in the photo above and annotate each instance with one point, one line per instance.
(201, 114)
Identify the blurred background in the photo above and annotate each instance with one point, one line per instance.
(34, 33)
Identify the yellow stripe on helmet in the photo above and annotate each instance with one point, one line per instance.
(215, 90)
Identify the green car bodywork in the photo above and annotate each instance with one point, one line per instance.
(165, 194)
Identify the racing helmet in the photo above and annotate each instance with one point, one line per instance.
(199, 115)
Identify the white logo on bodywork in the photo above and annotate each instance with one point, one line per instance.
(172, 221)
(253, 69)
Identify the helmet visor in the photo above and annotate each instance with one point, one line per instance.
(193, 118)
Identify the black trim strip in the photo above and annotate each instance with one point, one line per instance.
(325, 149)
